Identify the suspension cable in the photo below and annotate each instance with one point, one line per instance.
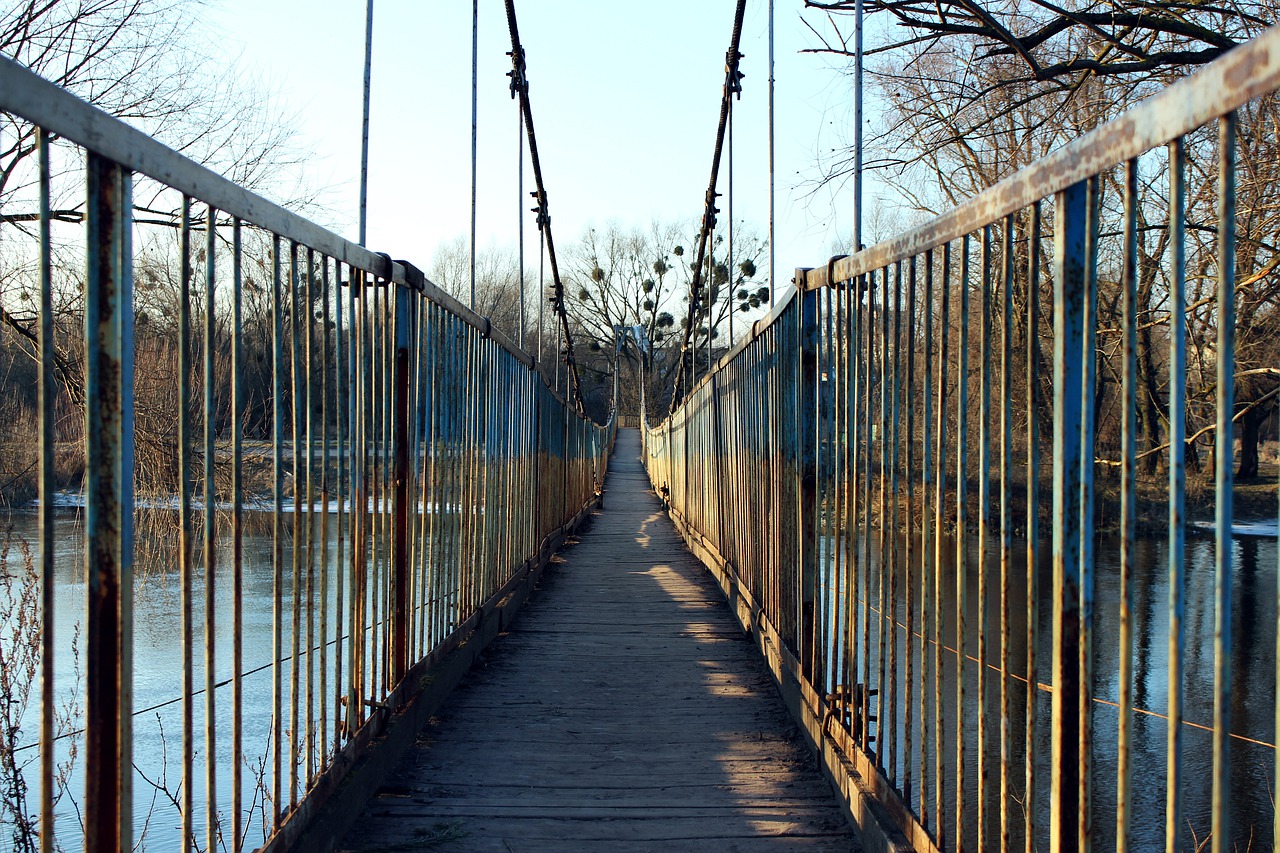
(730, 259)
(475, 87)
(772, 195)
(520, 83)
(732, 86)
(520, 205)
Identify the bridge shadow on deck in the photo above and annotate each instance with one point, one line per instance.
(624, 711)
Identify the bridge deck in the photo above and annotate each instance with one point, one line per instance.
(624, 711)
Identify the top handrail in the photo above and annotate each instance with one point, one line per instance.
(28, 95)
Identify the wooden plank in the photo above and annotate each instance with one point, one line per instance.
(624, 707)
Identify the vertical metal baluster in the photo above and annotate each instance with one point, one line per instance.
(854, 466)
(1006, 519)
(830, 600)
(210, 539)
(422, 347)
(363, 544)
(1128, 486)
(237, 536)
(1070, 258)
(109, 499)
(939, 551)
(1177, 488)
(1033, 524)
(438, 508)
(909, 562)
(984, 535)
(186, 523)
(309, 522)
(882, 674)
(870, 325)
(123, 266)
(355, 511)
(341, 627)
(962, 533)
(322, 694)
(840, 580)
(927, 607)
(1087, 423)
(890, 615)
(375, 388)
(297, 400)
(277, 532)
(1223, 463)
(399, 580)
(48, 394)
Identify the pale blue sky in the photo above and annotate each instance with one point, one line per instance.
(625, 99)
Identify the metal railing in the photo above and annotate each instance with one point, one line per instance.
(869, 472)
(315, 464)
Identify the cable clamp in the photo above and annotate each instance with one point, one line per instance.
(831, 271)
(733, 77)
(519, 82)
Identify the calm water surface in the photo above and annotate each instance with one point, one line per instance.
(158, 682)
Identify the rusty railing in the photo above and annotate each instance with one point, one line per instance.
(309, 467)
(913, 409)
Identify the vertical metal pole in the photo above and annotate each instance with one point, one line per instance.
(297, 402)
(939, 553)
(1177, 486)
(883, 676)
(1128, 489)
(108, 294)
(210, 537)
(984, 534)
(962, 537)
(868, 399)
(475, 86)
(1224, 461)
(322, 694)
(237, 537)
(520, 214)
(1033, 524)
(729, 263)
(890, 715)
(1069, 286)
(1006, 520)
(48, 394)
(807, 493)
(857, 125)
(909, 562)
(772, 194)
(364, 135)
(125, 319)
(927, 533)
(277, 533)
(400, 448)
(1084, 648)
(309, 559)
(187, 567)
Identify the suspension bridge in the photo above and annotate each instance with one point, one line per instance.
(843, 587)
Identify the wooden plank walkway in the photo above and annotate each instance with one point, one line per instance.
(625, 711)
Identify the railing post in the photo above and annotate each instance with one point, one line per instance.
(807, 491)
(109, 507)
(1072, 473)
(400, 629)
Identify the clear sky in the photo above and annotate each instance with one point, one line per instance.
(625, 99)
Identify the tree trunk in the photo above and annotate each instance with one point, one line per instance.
(1250, 427)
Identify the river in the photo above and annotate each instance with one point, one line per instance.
(158, 668)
